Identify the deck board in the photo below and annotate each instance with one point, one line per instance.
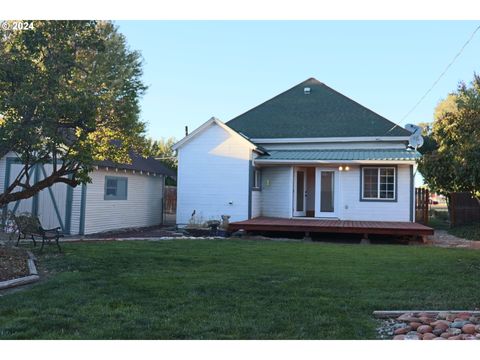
(332, 226)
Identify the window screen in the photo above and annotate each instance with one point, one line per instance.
(116, 188)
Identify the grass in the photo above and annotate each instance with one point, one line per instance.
(234, 289)
(470, 232)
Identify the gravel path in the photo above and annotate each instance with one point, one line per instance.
(443, 239)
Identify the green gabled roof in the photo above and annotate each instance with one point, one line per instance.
(342, 155)
(323, 113)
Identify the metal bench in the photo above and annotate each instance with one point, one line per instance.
(30, 226)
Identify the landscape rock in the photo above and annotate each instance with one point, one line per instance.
(442, 315)
(458, 324)
(454, 331)
(423, 329)
(415, 325)
(428, 336)
(408, 317)
(468, 329)
(450, 317)
(441, 326)
(426, 320)
(438, 322)
(464, 315)
(456, 337)
(402, 330)
(423, 325)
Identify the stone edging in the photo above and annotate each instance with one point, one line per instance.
(429, 325)
(395, 313)
(31, 278)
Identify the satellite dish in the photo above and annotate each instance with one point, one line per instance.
(416, 139)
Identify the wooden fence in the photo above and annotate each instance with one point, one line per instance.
(170, 199)
(422, 200)
(463, 208)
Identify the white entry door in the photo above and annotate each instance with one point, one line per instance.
(300, 192)
(326, 185)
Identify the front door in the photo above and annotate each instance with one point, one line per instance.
(326, 183)
(300, 192)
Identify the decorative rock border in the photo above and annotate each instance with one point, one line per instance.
(32, 277)
(429, 325)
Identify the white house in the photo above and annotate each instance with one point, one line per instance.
(309, 152)
(119, 196)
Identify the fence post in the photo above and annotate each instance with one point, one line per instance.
(426, 205)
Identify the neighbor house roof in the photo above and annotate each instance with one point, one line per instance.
(140, 163)
(323, 112)
(342, 155)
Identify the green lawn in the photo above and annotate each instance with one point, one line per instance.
(229, 289)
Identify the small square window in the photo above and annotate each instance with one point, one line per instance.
(115, 188)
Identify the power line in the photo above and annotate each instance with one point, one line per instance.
(436, 81)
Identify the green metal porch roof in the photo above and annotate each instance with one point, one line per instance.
(342, 155)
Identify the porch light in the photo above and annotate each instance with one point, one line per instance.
(347, 168)
(340, 168)
(344, 168)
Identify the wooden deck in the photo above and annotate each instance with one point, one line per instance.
(396, 228)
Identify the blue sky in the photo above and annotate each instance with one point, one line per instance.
(199, 69)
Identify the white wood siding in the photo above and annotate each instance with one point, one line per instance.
(213, 176)
(277, 186)
(351, 208)
(76, 209)
(256, 203)
(143, 206)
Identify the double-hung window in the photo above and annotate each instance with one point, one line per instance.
(115, 188)
(378, 183)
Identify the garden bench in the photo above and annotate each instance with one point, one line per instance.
(30, 226)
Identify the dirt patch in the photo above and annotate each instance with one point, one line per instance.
(13, 263)
(145, 232)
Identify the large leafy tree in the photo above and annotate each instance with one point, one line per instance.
(69, 95)
(454, 162)
(162, 150)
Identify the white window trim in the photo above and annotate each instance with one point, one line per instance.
(257, 179)
(378, 198)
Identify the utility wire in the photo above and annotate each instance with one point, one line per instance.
(436, 81)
